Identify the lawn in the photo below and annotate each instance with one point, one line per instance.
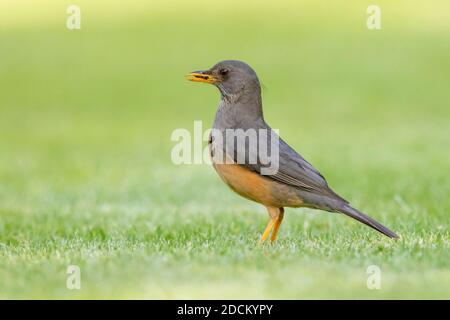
(86, 176)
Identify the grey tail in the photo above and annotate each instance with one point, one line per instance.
(361, 217)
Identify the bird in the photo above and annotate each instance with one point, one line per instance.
(295, 183)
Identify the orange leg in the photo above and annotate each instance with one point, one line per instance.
(277, 225)
(276, 217)
(267, 230)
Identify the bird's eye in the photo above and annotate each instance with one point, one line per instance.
(223, 71)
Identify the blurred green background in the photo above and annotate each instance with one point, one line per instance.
(85, 172)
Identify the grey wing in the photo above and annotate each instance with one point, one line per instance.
(293, 170)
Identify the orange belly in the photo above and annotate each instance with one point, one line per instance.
(258, 188)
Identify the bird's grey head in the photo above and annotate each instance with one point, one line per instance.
(233, 78)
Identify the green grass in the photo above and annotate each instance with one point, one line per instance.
(85, 170)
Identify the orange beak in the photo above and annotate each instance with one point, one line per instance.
(201, 76)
